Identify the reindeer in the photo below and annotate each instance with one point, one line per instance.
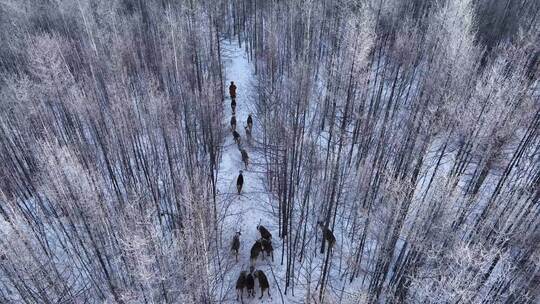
(256, 249)
(233, 123)
(265, 234)
(250, 122)
(267, 247)
(248, 133)
(235, 245)
(245, 157)
(328, 235)
(263, 282)
(241, 283)
(233, 105)
(240, 182)
(250, 283)
(236, 137)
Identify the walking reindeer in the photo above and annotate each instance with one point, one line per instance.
(239, 182)
(233, 123)
(245, 158)
(256, 249)
(248, 134)
(250, 122)
(235, 245)
(328, 236)
(240, 285)
(249, 127)
(265, 234)
(263, 282)
(250, 283)
(246, 280)
(267, 248)
(232, 92)
(236, 137)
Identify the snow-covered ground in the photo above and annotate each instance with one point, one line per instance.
(244, 212)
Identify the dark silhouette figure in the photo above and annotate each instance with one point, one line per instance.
(268, 248)
(250, 284)
(265, 234)
(240, 285)
(245, 157)
(250, 122)
(248, 133)
(239, 182)
(232, 90)
(236, 137)
(263, 282)
(233, 123)
(235, 246)
(328, 236)
(256, 249)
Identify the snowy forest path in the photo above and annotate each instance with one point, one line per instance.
(253, 206)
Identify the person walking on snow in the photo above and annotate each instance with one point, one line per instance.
(232, 90)
(239, 182)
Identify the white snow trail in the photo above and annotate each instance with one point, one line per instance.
(243, 212)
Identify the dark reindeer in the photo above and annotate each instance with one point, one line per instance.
(250, 122)
(263, 282)
(256, 249)
(265, 234)
(328, 235)
(233, 123)
(239, 182)
(245, 157)
(233, 105)
(235, 245)
(241, 283)
(236, 137)
(232, 92)
(250, 283)
(248, 133)
(267, 247)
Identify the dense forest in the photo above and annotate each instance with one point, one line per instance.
(395, 153)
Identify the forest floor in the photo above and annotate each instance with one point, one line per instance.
(254, 205)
